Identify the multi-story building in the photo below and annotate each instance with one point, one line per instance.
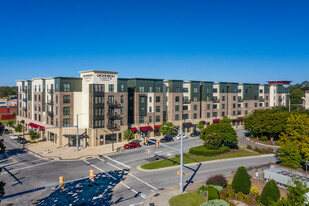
(104, 106)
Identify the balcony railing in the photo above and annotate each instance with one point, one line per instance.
(113, 115)
(113, 104)
(216, 100)
(50, 91)
(50, 113)
(113, 126)
(24, 108)
(50, 101)
(280, 99)
(186, 101)
(25, 100)
(240, 99)
(25, 90)
(261, 99)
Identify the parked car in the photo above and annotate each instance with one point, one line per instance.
(136, 141)
(151, 142)
(132, 145)
(21, 140)
(195, 133)
(167, 139)
(12, 136)
(6, 131)
(179, 136)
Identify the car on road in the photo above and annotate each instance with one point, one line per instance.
(132, 145)
(21, 140)
(136, 141)
(195, 133)
(6, 131)
(12, 136)
(151, 142)
(179, 136)
(166, 139)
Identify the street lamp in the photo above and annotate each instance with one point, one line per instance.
(181, 158)
(113, 140)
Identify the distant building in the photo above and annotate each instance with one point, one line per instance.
(306, 100)
(107, 105)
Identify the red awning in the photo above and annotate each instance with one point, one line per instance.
(157, 126)
(33, 125)
(145, 128)
(216, 120)
(240, 118)
(133, 129)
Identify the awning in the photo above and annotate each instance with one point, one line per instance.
(186, 124)
(133, 129)
(216, 120)
(31, 124)
(145, 128)
(36, 126)
(240, 118)
(157, 126)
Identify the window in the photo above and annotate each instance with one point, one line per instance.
(34, 116)
(239, 112)
(255, 104)
(56, 99)
(56, 122)
(141, 89)
(195, 107)
(39, 88)
(121, 99)
(234, 98)
(39, 108)
(195, 90)
(177, 99)
(56, 110)
(246, 91)
(177, 117)
(246, 105)
(215, 90)
(214, 106)
(194, 116)
(246, 112)
(185, 99)
(150, 99)
(35, 97)
(261, 90)
(223, 106)
(266, 97)
(223, 98)
(215, 114)
(66, 110)
(150, 119)
(110, 88)
(223, 114)
(234, 113)
(177, 108)
(185, 116)
(150, 89)
(234, 106)
(185, 107)
(66, 122)
(158, 89)
(208, 106)
(35, 107)
(222, 91)
(35, 88)
(208, 114)
(122, 88)
(66, 87)
(157, 108)
(150, 109)
(157, 99)
(177, 89)
(185, 90)
(157, 118)
(266, 104)
(261, 105)
(66, 98)
(239, 90)
(195, 99)
(141, 119)
(239, 105)
(39, 117)
(121, 110)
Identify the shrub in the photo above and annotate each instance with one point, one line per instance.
(248, 199)
(289, 164)
(240, 196)
(252, 136)
(217, 180)
(212, 141)
(203, 151)
(270, 193)
(241, 181)
(264, 138)
(249, 146)
(224, 149)
(231, 193)
(229, 184)
(218, 188)
(223, 194)
(203, 190)
(215, 203)
(212, 193)
(254, 191)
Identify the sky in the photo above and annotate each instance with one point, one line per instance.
(211, 40)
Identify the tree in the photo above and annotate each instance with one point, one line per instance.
(6, 91)
(2, 184)
(201, 125)
(128, 135)
(296, 195)
(241, 181)
(34, 135)
(1, 128)
(270, 193)
(10, 123)
(168, 129)
(225, 131)
(212, 141)
(19, 128)
(226, 120)
(2, 147)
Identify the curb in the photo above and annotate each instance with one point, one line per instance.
(266, 145)
(173, 167)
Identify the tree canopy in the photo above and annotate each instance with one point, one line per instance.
(128, 135)
(200, 125)
(6, 91)
(168, 129)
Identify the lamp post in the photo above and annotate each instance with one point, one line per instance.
(148, 132)
(181, 158)
(113, 140)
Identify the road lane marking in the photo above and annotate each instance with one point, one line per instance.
(26, 167)
(139, 203)
(130, 175)
(19, 163)
(140, 194)
(127, 166)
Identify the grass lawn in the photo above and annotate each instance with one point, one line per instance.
(192, 159)
(6, 121)
(187, 199)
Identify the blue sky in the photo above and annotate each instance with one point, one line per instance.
(236, 41)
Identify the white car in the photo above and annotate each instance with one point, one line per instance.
(12, 136)
(179, 136)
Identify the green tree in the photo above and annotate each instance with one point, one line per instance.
(2, 147)
(201, 125)
(1, 128)
(19, 128)
(2, 184)
(128, 135)
(212, 141)
(270, 193)
(225, 119)
(6, 91)
(34, 135)
(241, 181)
(168, 129)
(296, 195)
(290, 154)
(10, 123)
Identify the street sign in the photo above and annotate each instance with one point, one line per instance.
(149, 151)
(183, 172)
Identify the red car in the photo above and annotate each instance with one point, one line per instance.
(132, 145)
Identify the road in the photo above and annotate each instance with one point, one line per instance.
(118, 181)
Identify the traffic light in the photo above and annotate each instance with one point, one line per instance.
(157, 143)
(91, 174)
(145, 140)
(61, 181)
(23, 129)
(135, 136)
(39, 128)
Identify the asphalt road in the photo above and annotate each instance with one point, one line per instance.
(118, 182)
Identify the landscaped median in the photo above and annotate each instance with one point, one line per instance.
(191, 158)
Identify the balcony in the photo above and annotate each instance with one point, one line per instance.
(50, 113)
(113, 127)
(280, 99)
(25, 99)
(240, 99)
(25, 90)
(113, 104)
(113, 115)
(186, 101)
(261, 99)
(24, 108)
(50, 91)
(50, 101)
(216, 100)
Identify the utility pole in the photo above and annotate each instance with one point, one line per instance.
(77, 137)
(181, 164)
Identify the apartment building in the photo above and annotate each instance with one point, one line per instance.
(104, 106)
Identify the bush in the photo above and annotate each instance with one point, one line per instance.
(254, 191)
(249, 147)
(252, 136)
(264, 151)
(231, 193)
(229, 184)
(289, 164)
(203, 151)
(270, 193)
(248, 199)
(215, 203)
(241, 181)
(217, 187)
(212, 193)
(203, 190)
(264, 138)
(212, 141)
(240, 196)
(217, 180)
(223, 194)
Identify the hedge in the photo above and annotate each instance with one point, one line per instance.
(202, 151)
(215, 203)
(212, 193)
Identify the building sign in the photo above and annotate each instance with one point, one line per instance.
(106, 77)
(87, 77)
